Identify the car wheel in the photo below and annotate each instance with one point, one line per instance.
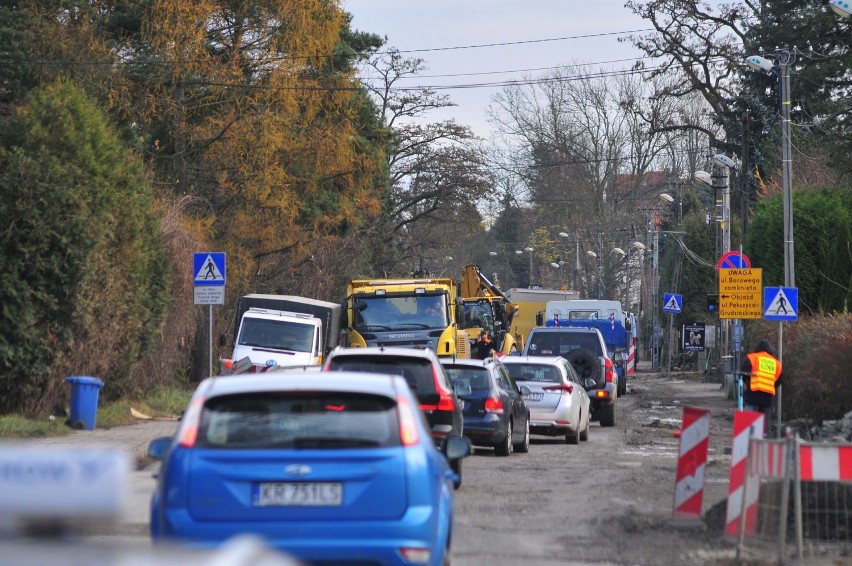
(573, 437)
(456, 465)
(607, 417)
(504, 447)
(584, 436)
(524, 447)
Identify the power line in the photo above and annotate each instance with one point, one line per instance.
(506, 43)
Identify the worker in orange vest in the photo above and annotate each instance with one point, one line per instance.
(762, 372)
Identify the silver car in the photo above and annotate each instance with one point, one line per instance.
(558, 403)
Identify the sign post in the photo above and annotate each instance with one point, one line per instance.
(209, 278)
(672, 304)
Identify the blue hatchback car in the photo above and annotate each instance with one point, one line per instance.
(335, 470)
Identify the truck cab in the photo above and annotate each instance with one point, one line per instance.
(413, 313)
(278, 338)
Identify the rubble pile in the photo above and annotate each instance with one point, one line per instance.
(829, 431)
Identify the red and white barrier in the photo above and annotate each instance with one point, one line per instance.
(692, 460)
(747, 425)
(631, 359)
(825, 463)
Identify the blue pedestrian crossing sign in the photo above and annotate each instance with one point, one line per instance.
(209, 269)
(780, 303)
(672, 303)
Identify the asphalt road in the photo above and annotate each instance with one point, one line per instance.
(605, 501)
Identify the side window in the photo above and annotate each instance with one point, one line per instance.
(504, 380)
(572, 375)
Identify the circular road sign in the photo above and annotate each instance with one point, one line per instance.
(733, 260)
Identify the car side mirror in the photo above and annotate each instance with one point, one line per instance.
(158, 447)
(525, 390)
(457, 447)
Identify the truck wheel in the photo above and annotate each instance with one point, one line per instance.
(586, 363)
(607, 415)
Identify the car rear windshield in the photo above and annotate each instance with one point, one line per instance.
(299, 420)
(416, 371)
(476, 378)
(561, 343)
(534, 372)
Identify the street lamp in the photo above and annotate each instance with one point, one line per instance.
(599, 286)
(759, 63)
(530, 251)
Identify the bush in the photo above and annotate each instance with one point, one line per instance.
(817, 358)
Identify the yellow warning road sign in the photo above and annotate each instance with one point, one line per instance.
(741, 293)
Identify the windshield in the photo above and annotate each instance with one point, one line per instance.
(412, 312)
(276, 334)
(477, 315)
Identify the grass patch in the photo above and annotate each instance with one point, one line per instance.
(161, 403)
(13, 426)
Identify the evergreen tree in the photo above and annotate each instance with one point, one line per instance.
(83, 280)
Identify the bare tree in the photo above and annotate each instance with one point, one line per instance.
(438, 172)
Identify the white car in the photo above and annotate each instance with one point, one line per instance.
(558, 402)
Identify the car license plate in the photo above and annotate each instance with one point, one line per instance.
(314, 494)
(533, 397)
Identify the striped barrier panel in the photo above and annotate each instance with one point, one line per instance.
(747, 425)
(631, 359)
(692, 460)
(825, 462)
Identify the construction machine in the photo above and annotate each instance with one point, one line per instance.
(486, 307)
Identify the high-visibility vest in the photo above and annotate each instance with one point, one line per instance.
(765, 370)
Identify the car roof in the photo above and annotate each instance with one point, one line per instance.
(541, 360)
(565, 328)
(385, 351)
(349, 381)
(487, 362)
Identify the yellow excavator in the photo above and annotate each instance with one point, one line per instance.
(485, 307)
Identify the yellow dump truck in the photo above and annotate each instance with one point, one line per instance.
(419, 313)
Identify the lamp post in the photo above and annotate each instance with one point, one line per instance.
(575, 283)
(530, 251)
(757, 62)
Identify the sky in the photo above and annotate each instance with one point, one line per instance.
(436, 29)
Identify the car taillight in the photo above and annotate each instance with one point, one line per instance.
(407, 424)
(446, 401)
(609, 370)
(566, 387)
(188, 432)
(494, 405)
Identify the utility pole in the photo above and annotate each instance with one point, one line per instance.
(744, 181)
(721, 186)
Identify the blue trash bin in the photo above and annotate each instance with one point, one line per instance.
(84, 401)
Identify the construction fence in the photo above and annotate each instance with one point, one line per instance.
(797, 501)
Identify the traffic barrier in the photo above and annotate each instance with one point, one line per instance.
(816, 480)
(747, 424)
(631, 359)
(692, 460)
(826, 463)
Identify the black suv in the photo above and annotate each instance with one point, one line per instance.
(424, 373)
(586, 350)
